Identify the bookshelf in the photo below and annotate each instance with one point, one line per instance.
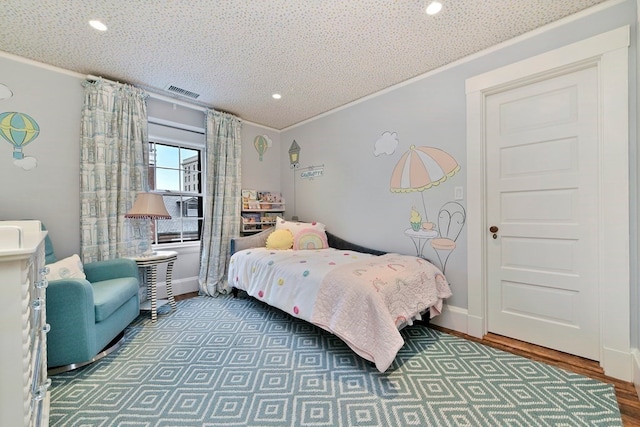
(260, 210)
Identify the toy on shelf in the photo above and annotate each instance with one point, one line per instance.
(260, 209)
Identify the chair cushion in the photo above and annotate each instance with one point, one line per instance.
(443, 244)
(109, 295)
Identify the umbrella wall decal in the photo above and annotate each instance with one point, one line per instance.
(421, 168)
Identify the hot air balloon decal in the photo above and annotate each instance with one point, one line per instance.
(262, 143)
(18, 129)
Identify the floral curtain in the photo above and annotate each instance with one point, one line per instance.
(114, 157)
(222, 201)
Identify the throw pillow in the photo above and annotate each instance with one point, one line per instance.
(68, 268)
(310, 238)
(296, 227)
(280, 239)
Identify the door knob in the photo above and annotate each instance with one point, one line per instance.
(494, 230)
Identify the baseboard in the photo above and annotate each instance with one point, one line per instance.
(452, 317)
(635, 367)
(179, 286)
(617, 364)
(459, 319)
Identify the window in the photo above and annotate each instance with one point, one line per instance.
(175, 172)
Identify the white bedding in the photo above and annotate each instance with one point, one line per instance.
(359, 297)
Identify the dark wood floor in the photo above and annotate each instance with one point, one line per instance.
(625, 391)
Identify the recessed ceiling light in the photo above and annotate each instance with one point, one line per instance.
(276, 96)
(98, 25)
(434, 8)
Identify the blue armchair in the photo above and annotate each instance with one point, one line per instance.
(87, 317)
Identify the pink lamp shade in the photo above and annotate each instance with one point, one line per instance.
(148, 206)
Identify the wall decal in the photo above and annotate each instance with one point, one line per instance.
(450, 221)
(311, 172)
(294, 162)
(420, 232)
(5, 92)
(386, 144)
(294, 154)
(19, 129)
(420, 169)
(262, 144)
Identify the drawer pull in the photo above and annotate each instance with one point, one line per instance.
(38, 304)
(39, 394)
(41, 391)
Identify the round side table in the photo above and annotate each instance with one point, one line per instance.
(150, 265)
(420, 238)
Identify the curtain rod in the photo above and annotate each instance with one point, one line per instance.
(175, 101)
(156, 95)
(96, 78)
(178, 101)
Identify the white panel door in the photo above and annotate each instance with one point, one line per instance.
(542, 178)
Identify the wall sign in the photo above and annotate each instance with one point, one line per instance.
(312, 172)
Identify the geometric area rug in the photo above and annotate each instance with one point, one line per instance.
(238, 362)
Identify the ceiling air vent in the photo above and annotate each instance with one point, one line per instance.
(179, 91)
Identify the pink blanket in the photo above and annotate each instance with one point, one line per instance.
(364, 302)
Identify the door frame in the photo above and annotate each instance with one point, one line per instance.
(609, 53)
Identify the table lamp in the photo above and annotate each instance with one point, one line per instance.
(148, 206)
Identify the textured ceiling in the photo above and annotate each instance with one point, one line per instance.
(319, 54)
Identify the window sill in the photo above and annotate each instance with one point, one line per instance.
(181, 248)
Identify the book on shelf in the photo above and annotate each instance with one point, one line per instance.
(270, 200)
(269, 218)
(251, 221)
(269, 196)
(249, 197)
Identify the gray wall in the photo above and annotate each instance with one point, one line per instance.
(50, 191)
(261, 174)
(353, 197)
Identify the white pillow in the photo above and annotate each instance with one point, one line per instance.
(68, 268)
(302, 231)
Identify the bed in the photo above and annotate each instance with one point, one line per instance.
(362, 296)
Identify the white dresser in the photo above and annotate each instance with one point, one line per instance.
(24, 398)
